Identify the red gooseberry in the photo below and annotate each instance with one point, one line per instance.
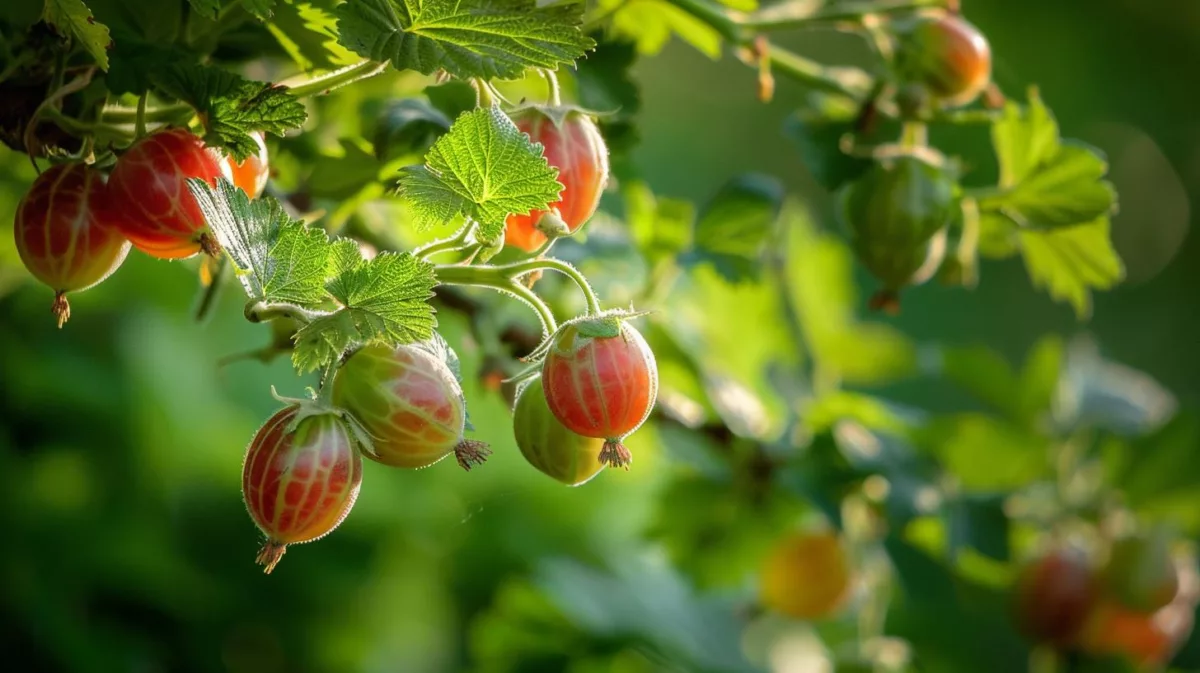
(574, 146)
(299, 479)
(601, 381)
(65, 233)
(149, 186)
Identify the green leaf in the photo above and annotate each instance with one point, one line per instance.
(467, 38)
(484, 169)
(232, 106)
(308, 33)
(1069, 263)
(206, 8)
(406, 126)
(277, 258)
(734, 228)
(1024, 398)
(73, 18)
(650, 24)
(1053, 205)
(383, 300)
(1064, 190)
(661, 227)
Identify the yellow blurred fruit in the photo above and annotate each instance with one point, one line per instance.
(807, 576)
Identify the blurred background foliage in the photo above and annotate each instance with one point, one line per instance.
(977, 417)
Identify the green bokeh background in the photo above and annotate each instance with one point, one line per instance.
(125, 543)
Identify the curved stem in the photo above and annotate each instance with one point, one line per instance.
(521, 268)
(80, 128)
(139, 123)
(740, 31)
(845, 11)
(493, 277)
(554, 90)
(454, 242)
(261, 311)
(549, 325)
(483, 93)
(323, 84)
(325, 392)
(179, 112)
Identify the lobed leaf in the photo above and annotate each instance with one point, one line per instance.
(277, 258)
(383, 300)
(467, 38)
(231, 105)
(485, 168)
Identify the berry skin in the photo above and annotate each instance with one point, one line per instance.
(1137, 636)
(806, 577)
(896, 214)
(575, 147)
(945, 54)
(1140, 574)
(410, 403)
(1054, 596)
(299, 480)
(251, 175)
(601, 386)
(149, 187)
(548, 445)
(65, 233)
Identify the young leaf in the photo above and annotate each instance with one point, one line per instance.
(485, 169)
(384, 300)
(278, 259)
(1071, 262)
(232, 106)
(467, 38)
(1053, 197)
(72, 17)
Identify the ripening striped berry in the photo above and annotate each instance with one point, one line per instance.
(299, 480)
(150, 194)
(548, 445)
(601, 386)
(575, 147)
(65, 234)
(410, 403)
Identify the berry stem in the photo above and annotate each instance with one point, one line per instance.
(325, 393)
(139, 122)
(456, 242)
(842, 12)
(323, 84)
(554, 90)
(261, 311)
(519, 269)
(493, 277)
